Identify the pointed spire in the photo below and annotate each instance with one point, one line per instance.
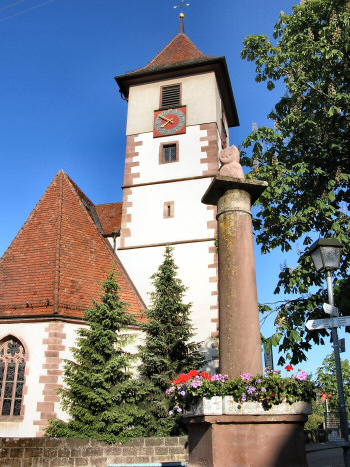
(181, 27)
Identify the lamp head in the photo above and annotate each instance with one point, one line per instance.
(325, 254)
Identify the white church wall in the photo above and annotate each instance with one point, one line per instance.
(188, 165)
(31, 335)
(34, 337)
(199, 93)
(193, 260)
(190, 219)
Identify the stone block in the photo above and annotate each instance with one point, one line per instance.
(11, 463)
(135, 442)
(172, 441)
(92, 452)
(4, 453)
(62, 462)
(50, 453)
(146, 451)
(80, 461)
(155, 441)
(16, 453)
(98, 461)
(33, 452)
(63, 451)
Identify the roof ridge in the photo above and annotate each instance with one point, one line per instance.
(31, 214)
(163, 52)
(56, 290)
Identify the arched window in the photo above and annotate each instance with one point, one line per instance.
(12, 366)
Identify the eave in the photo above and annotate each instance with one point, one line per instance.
(208, 64)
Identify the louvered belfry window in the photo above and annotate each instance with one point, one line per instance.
(171, 96)
(12, 367)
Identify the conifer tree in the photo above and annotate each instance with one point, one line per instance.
(168, 349)
(100, 394)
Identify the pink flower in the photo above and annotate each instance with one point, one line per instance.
(302, 376)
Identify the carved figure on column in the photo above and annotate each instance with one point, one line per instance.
(229, 158)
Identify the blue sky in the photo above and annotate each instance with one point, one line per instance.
(60, 107)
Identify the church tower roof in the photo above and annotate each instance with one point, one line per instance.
(180, 49)
(180, 57)
(58, 258)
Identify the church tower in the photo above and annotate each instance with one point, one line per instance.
(180, 107)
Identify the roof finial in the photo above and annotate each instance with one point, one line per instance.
(181, 16)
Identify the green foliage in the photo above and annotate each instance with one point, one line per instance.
(305, 157)
(326, 379)
(99, 394)
(168, 347)
(316, 419)
(270, 389)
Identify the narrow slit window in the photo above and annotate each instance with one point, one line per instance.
(168, 211)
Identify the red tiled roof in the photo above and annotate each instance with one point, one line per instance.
(182, 58)
(110, 217)
(58, 258)
(180, 49)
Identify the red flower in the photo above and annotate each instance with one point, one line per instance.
(205, 375)
(183, 378)
(289, 368)
(192, 373)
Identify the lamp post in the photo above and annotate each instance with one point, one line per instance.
(325, 254)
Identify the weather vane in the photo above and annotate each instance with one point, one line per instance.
(181, 16)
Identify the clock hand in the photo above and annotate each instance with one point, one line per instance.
(164, 118)
(168, 121)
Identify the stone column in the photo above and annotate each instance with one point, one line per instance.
(239, 329)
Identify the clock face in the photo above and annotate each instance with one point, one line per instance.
(169, 122)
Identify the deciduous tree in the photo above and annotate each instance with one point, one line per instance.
(326, 379)
(304, 157)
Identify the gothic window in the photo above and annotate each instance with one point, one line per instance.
(170, 96)
(12, 366)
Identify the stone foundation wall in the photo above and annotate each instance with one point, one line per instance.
(62, 452)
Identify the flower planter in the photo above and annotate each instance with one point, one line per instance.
(205, 406)
(227, 406)
(230, 407)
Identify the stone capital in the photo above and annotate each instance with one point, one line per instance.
(221, 184)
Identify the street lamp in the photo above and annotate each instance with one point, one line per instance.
(325, 254)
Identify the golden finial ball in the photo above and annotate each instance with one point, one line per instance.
(181, 15)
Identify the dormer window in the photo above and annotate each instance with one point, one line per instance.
(170, 96)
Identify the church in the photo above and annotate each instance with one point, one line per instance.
(180, 107)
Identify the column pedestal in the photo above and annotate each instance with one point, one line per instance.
(247, 440)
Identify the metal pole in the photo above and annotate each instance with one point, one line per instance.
(341, 406)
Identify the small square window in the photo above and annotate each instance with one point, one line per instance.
(168, 152)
